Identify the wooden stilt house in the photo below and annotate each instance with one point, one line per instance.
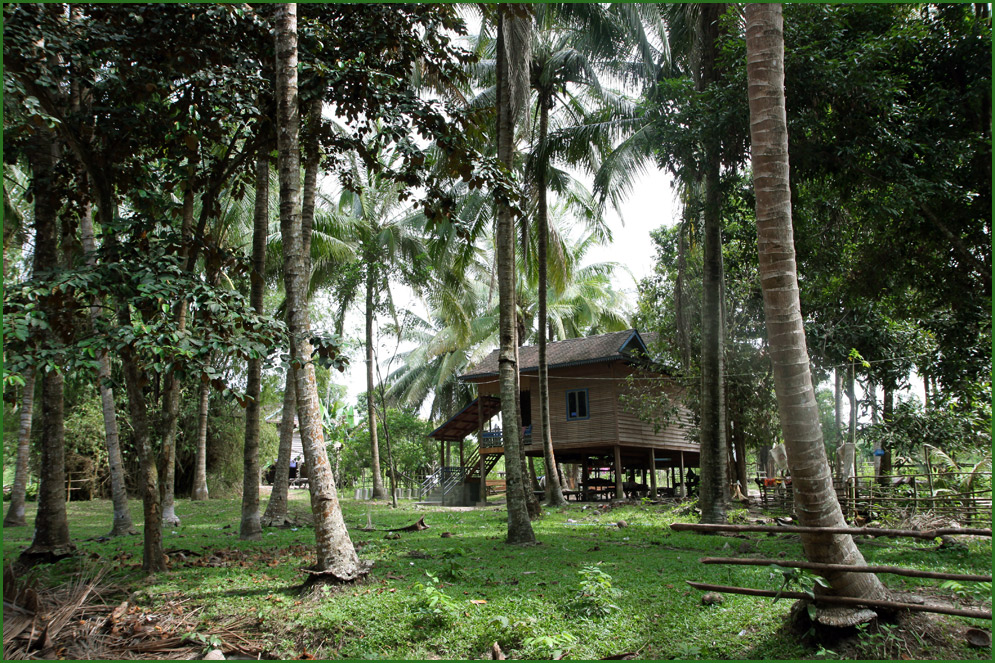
(595, 385)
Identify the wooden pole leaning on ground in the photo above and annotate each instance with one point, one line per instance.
(816, 566)
(844, 600)
(867, 531)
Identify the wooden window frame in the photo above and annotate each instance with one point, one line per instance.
(587, 404)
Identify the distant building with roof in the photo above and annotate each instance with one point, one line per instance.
(591, 422)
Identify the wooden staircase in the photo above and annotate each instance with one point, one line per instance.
(435, 488)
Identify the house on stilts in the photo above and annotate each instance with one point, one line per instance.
(595, 384)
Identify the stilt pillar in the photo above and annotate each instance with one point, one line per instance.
(619, 493)
(653, 473)
(585, 475)
(684, 488)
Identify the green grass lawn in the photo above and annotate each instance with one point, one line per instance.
(523, 598)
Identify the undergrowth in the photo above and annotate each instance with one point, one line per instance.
(589, 590)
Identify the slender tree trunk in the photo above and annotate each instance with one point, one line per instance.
(199, 491)
(276, 508)
(51, 535)
(250, 528)
(815, 499)
(680, 296)
(740, 445)
(838, 412)
(122, 523)
(153, 559)
(712, 491)
(888, 414)
(509, 56)
(15, 514)
(172, 387)
(554, 492)
(371, 412)
(336, 555)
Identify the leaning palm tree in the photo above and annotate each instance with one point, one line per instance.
(815, 499)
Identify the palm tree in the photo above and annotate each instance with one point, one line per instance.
(388, 239)
(329, 249)
(693, 37)
(514, 26)
(553, 69)
(462, 327)
(336, 555)
(815, 499)
(18, 494)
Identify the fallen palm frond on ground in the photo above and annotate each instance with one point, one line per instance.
(75, 621)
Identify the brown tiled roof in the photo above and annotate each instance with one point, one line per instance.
(571, 352)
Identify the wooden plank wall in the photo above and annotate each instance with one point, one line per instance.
(599, 428)
(633, 431)
(610, 422)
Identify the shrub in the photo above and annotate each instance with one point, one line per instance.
(433, 607)
(595, 594)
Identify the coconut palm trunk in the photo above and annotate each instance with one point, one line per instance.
(815, 499)
(199, 490)
(18, 493)
(512, 67)
(250, 527)
(554, 492)
(336, 555)
(276, 508)
(51, 535)
(371, 412)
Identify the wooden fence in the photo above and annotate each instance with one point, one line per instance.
(977, 613)
(872, 496)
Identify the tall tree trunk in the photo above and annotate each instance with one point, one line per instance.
(336, 555)
(838, 413)
(15, 513)
(199, 491)
(712, 491)
(153, 559)
(887, 414)
(276, 508)
(512, 56)
(815, 499)
(172, 386)
(680, 296)
(122, 523)
(371, 412)
(554, 492)
(51, 535)
(250, 527)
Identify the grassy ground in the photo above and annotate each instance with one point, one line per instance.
(526, 599)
